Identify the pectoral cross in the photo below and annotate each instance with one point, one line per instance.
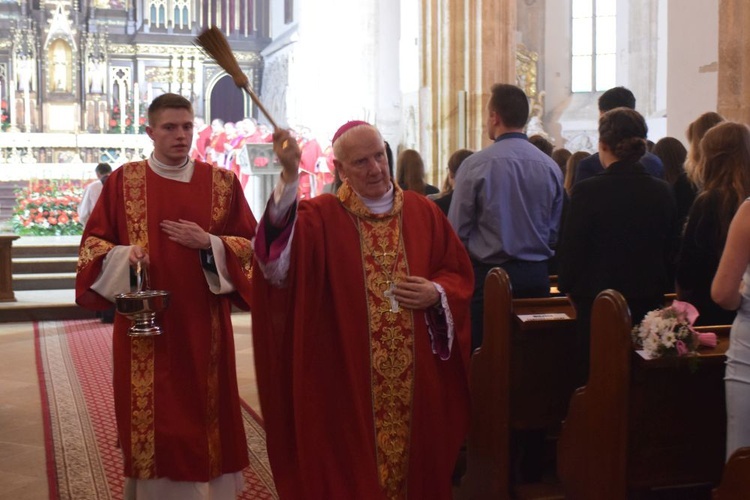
(390, 295)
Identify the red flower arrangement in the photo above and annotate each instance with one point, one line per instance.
(48, 208)
(131, 126)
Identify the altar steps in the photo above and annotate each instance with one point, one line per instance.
(43, 274)
(45, 263)
(8, 200)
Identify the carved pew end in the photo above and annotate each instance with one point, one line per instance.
(735, 481)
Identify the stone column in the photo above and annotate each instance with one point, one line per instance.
(467, 46)
(734, 60)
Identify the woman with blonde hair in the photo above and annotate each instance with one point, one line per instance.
(725, 167)
(695, 132)
(410, 173)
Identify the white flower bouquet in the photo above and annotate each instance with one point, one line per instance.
(669, 332)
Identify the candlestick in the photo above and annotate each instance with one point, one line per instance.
(136, 98)
(12, 105)
(123, 106)
(26, 108)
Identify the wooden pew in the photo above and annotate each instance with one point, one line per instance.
(735, 481)
(521, 378)
(642, 425)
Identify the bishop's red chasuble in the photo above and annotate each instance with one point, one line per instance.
(176, 398)
(355, 403)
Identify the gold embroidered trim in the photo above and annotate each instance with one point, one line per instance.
(392, 354)
(243, 249)
(92, 249)
(134, 187)
(212, 402)
(354, 204)
(221, 198)
(143, 446)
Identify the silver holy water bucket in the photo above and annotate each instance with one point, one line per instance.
(141, 306)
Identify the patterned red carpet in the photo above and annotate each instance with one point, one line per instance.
(74, 360)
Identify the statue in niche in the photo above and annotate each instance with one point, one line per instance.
(96, 71)
(24, 75)
(59, 67)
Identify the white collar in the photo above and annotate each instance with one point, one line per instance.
(182, 173)
(380, 205)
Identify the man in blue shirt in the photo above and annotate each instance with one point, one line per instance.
(617, 97)
(507, 203)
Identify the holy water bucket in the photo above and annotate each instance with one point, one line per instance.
(141, 306)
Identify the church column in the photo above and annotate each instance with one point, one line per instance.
(734, 60)
(467, 46)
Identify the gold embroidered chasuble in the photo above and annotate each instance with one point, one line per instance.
(356, 403)
(384, 263)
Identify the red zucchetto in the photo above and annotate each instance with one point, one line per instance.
(347, 126)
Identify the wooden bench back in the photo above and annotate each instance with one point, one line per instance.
(735, 481)
(641, 424)
(521, 378)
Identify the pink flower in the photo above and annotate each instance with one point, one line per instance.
(681, 348)
(707, 339)
(686, 309)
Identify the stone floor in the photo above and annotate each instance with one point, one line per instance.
(23, 474)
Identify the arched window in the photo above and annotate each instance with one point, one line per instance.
(593, 45)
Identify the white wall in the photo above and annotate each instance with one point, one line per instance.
(693, 54)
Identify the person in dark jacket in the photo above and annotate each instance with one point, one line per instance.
(673, 154)
(621, 231)
(617, 97)
(443, 200)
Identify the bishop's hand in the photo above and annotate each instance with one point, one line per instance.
(288, 152)
(415, 292)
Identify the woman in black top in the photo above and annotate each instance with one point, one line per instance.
(443, 200)
(673, 154)
(410, 173)
(725, 177)
(621, 229)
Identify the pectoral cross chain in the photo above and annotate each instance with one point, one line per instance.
(389, 294)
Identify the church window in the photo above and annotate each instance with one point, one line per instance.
(593, 48)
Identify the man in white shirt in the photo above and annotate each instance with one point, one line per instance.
(92, 192)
